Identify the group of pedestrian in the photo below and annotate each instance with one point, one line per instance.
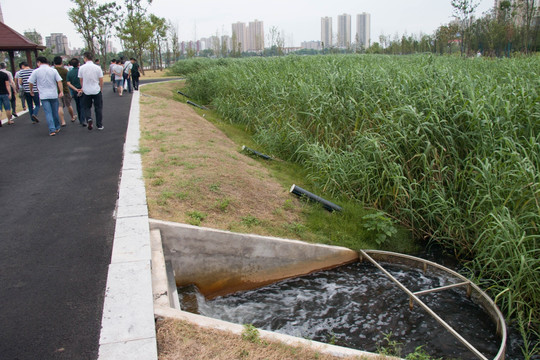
(7, 93)
(124, 75)
(53, 88)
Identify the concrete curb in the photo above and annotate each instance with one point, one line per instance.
(127, 326)
(19, 113)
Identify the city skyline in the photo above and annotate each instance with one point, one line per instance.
(299, 21)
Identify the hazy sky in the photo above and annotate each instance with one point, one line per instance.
(299, 20)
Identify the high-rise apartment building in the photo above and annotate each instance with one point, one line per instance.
(344, 31)
(58, 43)
(255, 36)
(326, 32)
(239, 36)
(363, 30)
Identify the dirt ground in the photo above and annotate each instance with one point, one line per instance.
(195, 174)
(179, 340)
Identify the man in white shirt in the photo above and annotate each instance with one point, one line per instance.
(91, 77)
(127, 74)
(49, 83)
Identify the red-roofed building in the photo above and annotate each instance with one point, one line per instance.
(12, 41)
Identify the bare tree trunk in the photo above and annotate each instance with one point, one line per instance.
(159, 56)
(141, 65)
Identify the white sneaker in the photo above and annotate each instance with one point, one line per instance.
(100, 128)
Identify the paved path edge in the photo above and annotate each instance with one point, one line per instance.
(127, 326)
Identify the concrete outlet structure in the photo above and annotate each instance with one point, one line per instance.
(222, 262)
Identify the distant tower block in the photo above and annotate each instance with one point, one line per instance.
(326, 32)
(363, 30)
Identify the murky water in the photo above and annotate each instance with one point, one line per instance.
(357, 306)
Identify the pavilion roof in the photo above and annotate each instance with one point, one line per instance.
(12, 40)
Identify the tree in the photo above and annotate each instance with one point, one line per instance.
(444, 37)
(34, 36)
(83, 16)
(159, 30)
(106, 16)
(137, 32)
(463, 11)
(236, 46)
(528, 9)
(383, 39)
(375, 48)
(224, 47)
(175, 46)
(277, 41)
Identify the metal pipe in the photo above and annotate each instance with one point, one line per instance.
(482, 297)
(426, 308)
(465, 283)
(325, 203)
(181, 93)
(199, 106)
(266, 157)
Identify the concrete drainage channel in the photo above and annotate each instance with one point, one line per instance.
(221, 261)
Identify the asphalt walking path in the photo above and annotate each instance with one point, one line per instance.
(57, 200)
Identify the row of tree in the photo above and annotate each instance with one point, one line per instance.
(514, 25)
(141, 33)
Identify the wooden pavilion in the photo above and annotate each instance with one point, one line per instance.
(12, 41)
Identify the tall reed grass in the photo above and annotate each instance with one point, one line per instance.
(449, 146)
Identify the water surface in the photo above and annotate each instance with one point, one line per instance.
(357, 306)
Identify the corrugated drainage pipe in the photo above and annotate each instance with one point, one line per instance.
(266, 157)
(325, 203)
